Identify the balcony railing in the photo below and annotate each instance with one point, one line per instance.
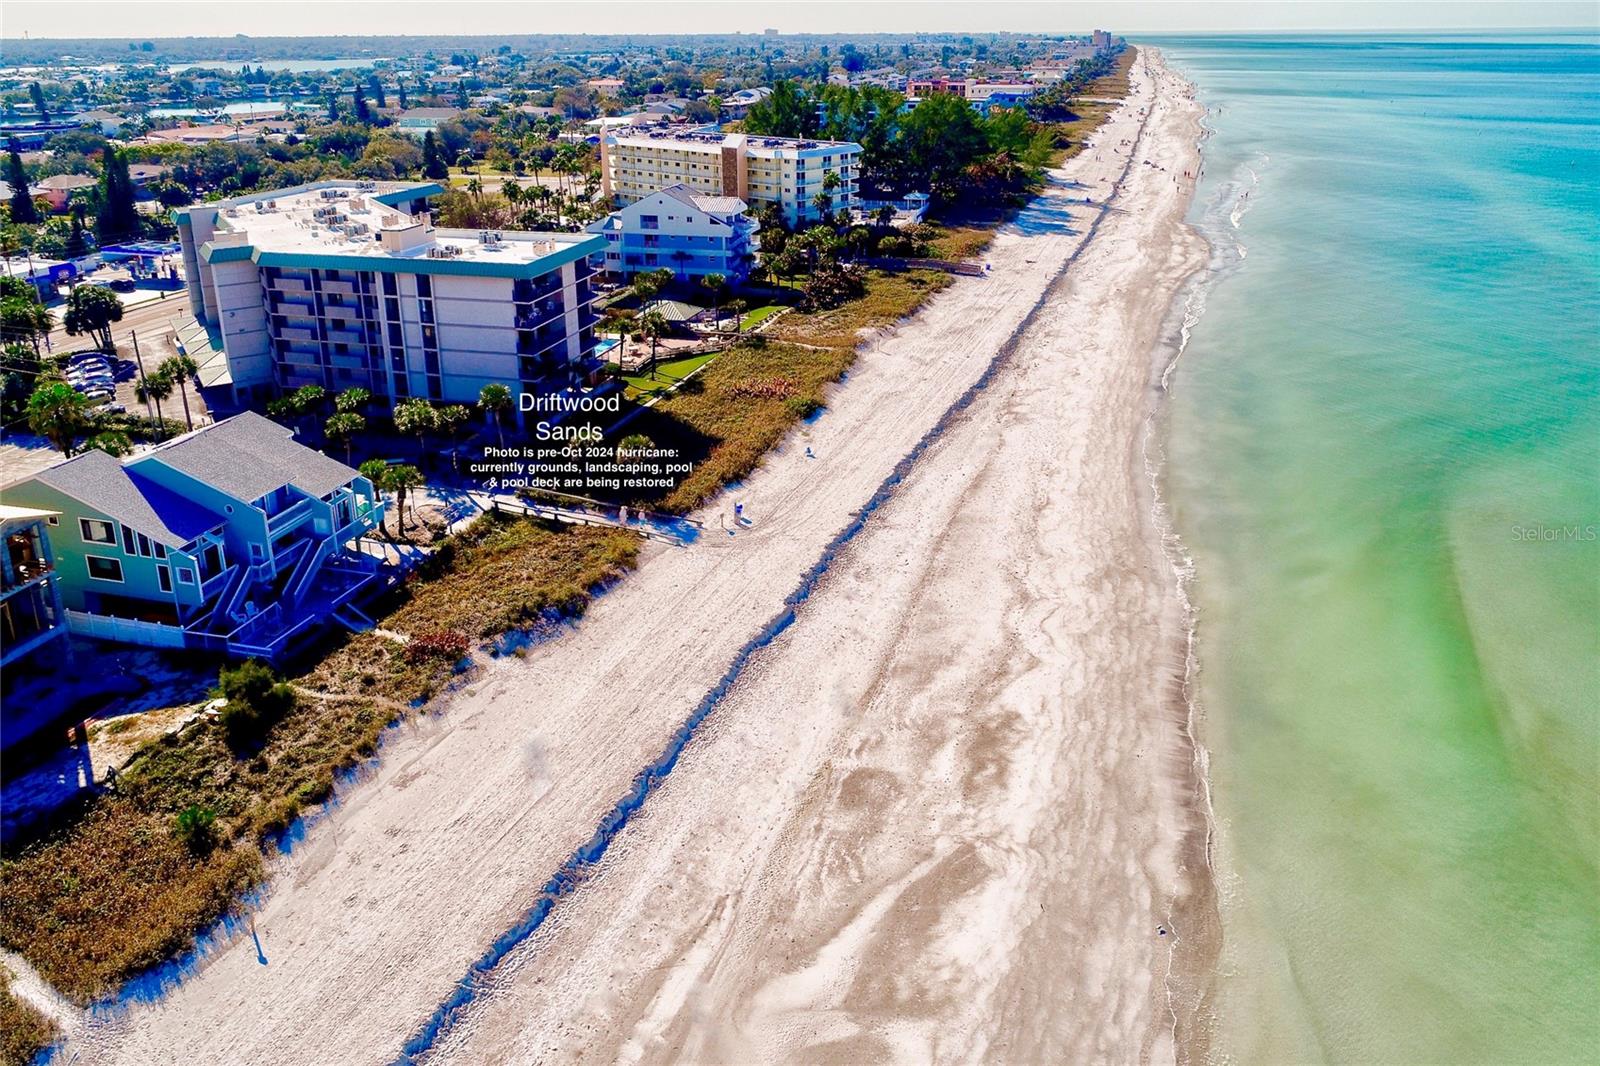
(288, 518)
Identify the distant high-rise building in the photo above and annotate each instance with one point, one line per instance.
(779, 170)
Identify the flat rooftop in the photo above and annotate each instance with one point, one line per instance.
(665, 137)
(352, 220)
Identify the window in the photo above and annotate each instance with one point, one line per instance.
(144, 546)
(424, 285)
(389, 287)
(185, 576)
(95, 531)
(649, 222)
(54, 520)
(103, 569)
(164, 578)
(129, 545)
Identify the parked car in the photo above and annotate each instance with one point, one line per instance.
(123, 285)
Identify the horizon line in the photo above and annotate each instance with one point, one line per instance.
(1128, 35)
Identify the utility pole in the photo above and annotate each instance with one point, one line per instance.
(139, 359)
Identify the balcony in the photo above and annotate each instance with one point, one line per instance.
(299, 298)
(526, 291)
(215, 583)
(288, 519)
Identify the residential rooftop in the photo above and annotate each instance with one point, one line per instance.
(247, 456)
(363, 224)
(666, 136)
(711, 205)
(101, 482)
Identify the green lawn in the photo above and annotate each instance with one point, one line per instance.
(668, 373)
(756, 316)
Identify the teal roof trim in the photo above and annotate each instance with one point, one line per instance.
(400, 196)
(233, 253)
(422, 265)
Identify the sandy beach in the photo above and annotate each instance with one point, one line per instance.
(951, 813)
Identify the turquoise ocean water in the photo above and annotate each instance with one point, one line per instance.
(1384, 458)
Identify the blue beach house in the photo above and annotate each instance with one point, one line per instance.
(233, 538)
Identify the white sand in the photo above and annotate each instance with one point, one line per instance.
(940, 818)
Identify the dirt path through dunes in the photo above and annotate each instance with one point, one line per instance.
(380, 912)
(946, 816)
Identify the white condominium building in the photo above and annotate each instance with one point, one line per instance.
(346, 283)
(789, 173)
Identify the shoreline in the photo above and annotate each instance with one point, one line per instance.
(580, 705)
(1198, 912)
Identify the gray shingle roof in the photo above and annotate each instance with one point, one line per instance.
(711, 205)
(97, 480)
(247, 456)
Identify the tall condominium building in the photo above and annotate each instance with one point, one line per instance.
(789, 173)
(344, 283)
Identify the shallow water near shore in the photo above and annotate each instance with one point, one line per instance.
(1382, 456)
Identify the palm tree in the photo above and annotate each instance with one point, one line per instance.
(715, 283)
(653, 325)
(180, 369)
(737, 308)
(155, 387)
(400, 480)
(377, 472)
(343, 427)
(450, 419)
(58, 412)
(113, 442)
(495, 399)
(512, 192)
(353, 400)
(634, 443)
(416, 416)
(23, 318)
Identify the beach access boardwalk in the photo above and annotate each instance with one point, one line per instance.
(857, 651)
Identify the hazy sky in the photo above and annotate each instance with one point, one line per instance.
(263, 18)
